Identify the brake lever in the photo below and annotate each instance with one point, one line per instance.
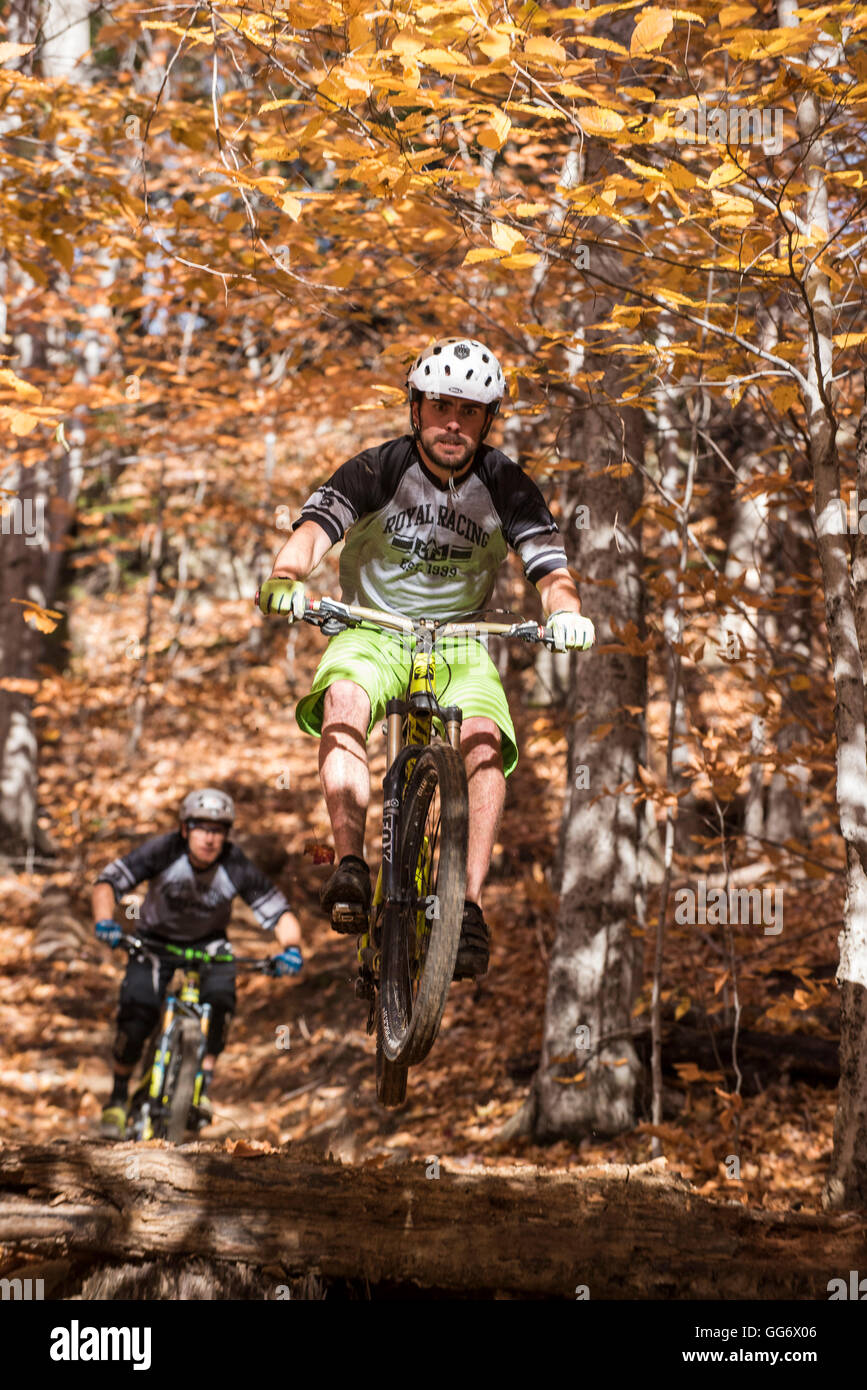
(528, 632)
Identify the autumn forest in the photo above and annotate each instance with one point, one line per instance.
(228, 230)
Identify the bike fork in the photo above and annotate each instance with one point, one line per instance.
(203, 1047)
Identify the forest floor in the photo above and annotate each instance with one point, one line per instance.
(222, 713)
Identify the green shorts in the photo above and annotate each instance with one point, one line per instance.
(380, 664)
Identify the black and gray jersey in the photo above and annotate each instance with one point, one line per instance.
(414, 546)
(183, 903)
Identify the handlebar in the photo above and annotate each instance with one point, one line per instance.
(189, 955)
(333, 616)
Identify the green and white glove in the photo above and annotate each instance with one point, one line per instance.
(283, 596)
(570, 632)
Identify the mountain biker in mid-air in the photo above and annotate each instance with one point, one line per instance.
(194, 872)
(428, 520)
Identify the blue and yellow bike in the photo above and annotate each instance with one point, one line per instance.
(164, 1105)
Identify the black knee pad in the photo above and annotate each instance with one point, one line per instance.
(135, 1023)
(218, 1029)
(127, 1048)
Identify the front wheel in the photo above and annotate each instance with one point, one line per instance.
(390, 1076)
(421, 933)
(181, 1077)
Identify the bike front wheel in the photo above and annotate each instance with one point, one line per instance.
(181, 1077)
(422, 931)
(390, 1076)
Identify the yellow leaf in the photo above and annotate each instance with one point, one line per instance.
(544, 48)
(22, 423)
(598, 120)
(730, 15)
(522, 261)
(726, 172)
(645, 170)
(496, 46)
(846, 340)
(530, 209)
(800, 682)
(407, 44)
(291, 206)
(62, 249)
(651, 31)
(494, 134)
(571, 89)
(481, 253)
(342, 275)
(682, 1008)
(506, 238)
(442, 59)
(627, 315)
(637, 93)
(609, 44)
(731, 203)
(21, 388)
(784, 397)
(14, 50)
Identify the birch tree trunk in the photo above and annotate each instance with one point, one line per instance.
(847, 1178)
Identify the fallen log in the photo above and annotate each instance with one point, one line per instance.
(763, 1058)
(620, 1232)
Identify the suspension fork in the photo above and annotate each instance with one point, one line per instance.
(161, 1057)
(391, 821)
(203, 1047)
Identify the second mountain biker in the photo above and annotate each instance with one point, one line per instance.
(194, 874)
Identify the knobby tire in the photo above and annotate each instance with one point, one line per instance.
(410, 1021)
(183, 1067)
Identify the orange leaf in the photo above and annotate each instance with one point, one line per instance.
(40, 618)
(19, 685)
(321, 854)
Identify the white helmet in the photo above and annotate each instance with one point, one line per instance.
(459, 367)
(208, 804)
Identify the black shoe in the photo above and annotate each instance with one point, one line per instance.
(347, 895)
(473, 950)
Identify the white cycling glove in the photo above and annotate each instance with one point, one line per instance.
(570, 632)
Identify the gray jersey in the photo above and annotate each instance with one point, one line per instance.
(415, 547)
(183, 903)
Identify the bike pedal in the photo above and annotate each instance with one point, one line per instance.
(349, 918)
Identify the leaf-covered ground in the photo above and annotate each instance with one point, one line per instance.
(222, 713)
